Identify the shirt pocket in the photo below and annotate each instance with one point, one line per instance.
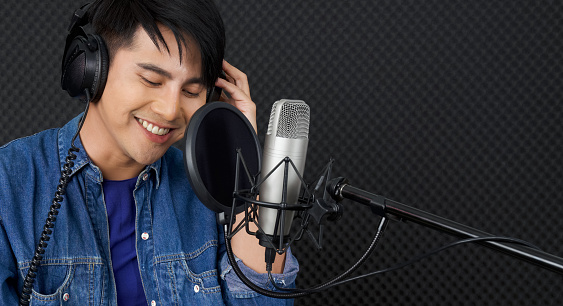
(183, 282)
(72, 282)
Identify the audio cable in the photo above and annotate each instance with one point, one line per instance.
(53, 212)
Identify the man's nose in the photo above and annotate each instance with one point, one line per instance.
(168, 105)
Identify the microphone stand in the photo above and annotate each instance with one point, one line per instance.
(339, 189)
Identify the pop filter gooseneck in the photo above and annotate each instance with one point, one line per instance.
(212, 138)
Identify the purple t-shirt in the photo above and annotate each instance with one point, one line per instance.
(120, 207)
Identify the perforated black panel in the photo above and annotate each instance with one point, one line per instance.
(453, 107)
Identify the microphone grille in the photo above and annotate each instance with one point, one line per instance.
(293, 119)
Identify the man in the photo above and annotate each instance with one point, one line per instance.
(130, 230)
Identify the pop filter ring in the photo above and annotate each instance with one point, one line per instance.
(215, 130)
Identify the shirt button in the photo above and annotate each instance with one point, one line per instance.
(196, 288)
(153, 303)
(145, 176)
(145, 236)
(66, 296)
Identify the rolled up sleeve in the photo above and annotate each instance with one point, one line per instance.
(237, 293)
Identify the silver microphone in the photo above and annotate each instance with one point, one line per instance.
(287, 136)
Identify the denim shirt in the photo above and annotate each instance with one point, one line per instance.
(180, 247)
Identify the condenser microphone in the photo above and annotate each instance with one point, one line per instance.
(287, 136)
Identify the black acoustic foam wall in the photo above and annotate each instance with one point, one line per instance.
(452, 107)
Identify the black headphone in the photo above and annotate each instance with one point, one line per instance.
(86, 62)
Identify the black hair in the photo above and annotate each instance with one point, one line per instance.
(116, 21)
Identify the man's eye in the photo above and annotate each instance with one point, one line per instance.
(190, 94)
(149, 82)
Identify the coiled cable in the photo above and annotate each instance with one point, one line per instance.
(52, 216)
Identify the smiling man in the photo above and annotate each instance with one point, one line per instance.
(130, 230)
(146, 105)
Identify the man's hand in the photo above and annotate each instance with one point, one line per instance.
(238, 91)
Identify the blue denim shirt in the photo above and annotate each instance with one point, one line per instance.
(182, 260)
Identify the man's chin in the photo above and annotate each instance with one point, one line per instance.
(148, 158)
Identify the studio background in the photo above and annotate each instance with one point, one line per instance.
(452, 107)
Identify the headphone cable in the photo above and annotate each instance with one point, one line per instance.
(53, 212)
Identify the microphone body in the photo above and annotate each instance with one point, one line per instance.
(287, 136)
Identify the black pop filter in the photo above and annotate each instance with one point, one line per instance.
(214, 134)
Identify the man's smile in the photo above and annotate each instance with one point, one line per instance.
(153, 128)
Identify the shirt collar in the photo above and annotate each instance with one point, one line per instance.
(155, 167)
(64, 143)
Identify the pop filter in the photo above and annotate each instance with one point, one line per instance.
(212, 138)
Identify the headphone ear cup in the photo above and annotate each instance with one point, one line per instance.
(74, 65)
(102, 74)
(85, 67)
(214, 94)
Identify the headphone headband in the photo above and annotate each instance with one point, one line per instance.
(80, 17)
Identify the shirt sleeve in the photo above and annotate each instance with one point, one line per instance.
(237, 293)
(8, 271)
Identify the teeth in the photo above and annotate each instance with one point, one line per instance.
(153, 128)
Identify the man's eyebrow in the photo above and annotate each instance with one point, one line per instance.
(154, 68)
